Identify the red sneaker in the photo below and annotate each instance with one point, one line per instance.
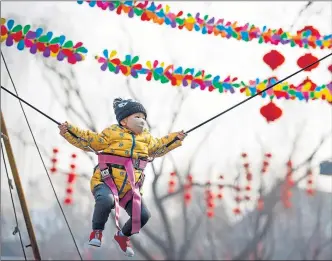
(124, 244)
(95, 238)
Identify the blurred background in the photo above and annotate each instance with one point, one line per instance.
(240, 187)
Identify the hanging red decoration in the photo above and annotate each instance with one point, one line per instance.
(271, 112)
(307, 59)
(260, 204)
(248, 176)
(313, 30)
(69, 190)
(209, 198)
(307, 85)
(68, 201)
(71, 177)
(237, 211)
(266, 163)
(54, 160)
(274, 59)
(330, 68)
(310, 182)
(187, 190)
(171, 183)
(70, 181)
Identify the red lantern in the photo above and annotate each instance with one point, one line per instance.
(274, 59)
(238, 199)
(171, 190)
(210, 213)
(249, 176)
(187, 196)
(71, 177)
(237, 211)
(306, 60)
(68, 201)
(171, 183)
(330, 68)
(268, 155)
(271, 112)
(310, 192)
(260, 204)
(211, 204)
(53, 169)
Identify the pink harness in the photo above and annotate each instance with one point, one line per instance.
(133, 194)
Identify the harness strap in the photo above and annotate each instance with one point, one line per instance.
(134, 194)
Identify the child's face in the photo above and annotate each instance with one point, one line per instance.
(135, 122)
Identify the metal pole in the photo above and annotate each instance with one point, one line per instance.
(20, 192)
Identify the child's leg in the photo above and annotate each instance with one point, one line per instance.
(145, 216)
(104, 203)
(122, 237)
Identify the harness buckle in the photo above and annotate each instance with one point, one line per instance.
(105, 173)
(136, 163)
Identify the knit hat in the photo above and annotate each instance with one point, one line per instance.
(124, 108)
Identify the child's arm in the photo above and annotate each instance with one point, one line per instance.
(97, 141)
(159, 144)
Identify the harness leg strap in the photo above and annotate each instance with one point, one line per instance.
(136, 206)
(106, 176)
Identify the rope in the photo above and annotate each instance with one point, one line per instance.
(16, 230)
(49, 178)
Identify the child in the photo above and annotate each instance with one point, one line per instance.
(118, 180)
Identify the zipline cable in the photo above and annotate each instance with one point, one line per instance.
(10, 185)
(49, 178)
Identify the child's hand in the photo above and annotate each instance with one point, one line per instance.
(181, 135)
(63, 128)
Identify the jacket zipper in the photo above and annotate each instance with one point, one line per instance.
(131, 155)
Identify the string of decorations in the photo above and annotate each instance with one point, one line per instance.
(162, 15)
(39, 41)
(158, 71)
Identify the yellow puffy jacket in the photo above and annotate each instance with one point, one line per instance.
(120, 141)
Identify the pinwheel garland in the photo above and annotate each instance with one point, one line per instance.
(36, 42)
(159, 14)
(158, 71)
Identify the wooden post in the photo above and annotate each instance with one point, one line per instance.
(19, 188)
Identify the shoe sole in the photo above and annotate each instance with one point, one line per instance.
(94, 242)
(119, 248)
